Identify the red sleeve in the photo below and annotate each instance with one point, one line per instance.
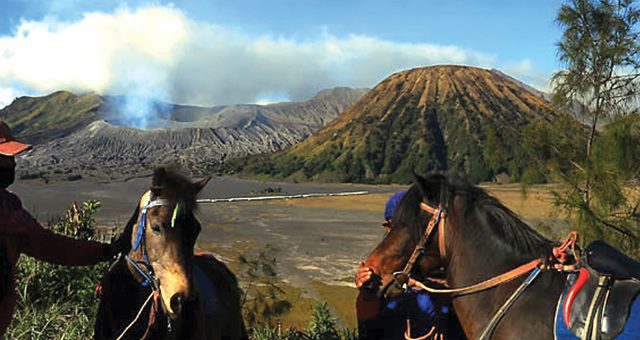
(41, 243)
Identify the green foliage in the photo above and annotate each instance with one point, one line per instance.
(323, 326)
(599, 48)
(57, 320)
(263, 299)
(494, 151)
(57, 302)
(598, 170)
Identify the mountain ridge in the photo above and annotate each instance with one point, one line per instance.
(435, 118)
(192, 137)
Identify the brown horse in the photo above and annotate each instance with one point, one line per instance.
(477, 238)
(158, 289)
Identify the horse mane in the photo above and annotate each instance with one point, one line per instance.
(173, 184)
(516, 234)
(503, 222)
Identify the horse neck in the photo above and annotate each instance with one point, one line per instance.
(477, 253)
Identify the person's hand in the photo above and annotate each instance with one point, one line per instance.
(110, 252)
(363, 275)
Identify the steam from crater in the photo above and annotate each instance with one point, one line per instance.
(158, 53)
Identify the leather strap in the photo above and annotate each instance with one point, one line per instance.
(484, 285)
(438, 216)
(488, 330)
(592, 329)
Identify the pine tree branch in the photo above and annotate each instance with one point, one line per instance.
(619, 229)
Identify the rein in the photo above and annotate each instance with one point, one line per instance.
(557, 261)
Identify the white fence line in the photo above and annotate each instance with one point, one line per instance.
(279, 197)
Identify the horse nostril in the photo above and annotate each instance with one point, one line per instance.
(177, 302)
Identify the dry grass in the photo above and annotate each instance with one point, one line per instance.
(301, 304)
(372, 202)
(537, 204)
(341, 299)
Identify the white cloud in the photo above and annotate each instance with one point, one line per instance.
(157, 51)
(7, 95)
(526, 72)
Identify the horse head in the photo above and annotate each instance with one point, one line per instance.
(391, 257)
(160, 236)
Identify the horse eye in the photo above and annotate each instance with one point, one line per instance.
(155, 228)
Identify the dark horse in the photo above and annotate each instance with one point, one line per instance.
(480, 239)
(159, 289)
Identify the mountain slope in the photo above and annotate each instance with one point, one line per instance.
(39, 119)
(442, 118)
(191, 136)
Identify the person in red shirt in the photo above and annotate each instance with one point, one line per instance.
(20, 233)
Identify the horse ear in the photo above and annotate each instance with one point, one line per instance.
(159, 175)
(430, 187)
(199, 185)
(422, 184)
(122, 242)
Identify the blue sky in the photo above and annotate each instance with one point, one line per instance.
(221, 52)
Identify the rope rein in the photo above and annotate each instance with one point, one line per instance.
(144, 305)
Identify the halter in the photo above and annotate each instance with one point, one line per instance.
(438, 218)
(147, 271)
(140, 241)
(559, 260)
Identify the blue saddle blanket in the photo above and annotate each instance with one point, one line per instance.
(631, 330)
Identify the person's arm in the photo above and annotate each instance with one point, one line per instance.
(43, 244)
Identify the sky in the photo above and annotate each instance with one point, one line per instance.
(211, 52)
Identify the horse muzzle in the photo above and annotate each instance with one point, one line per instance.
(396, 286)
(177, 304)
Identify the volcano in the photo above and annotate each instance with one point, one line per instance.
(439, 118)
(80, 135)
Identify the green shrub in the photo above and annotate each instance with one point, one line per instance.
(57, 302)
(323, 326)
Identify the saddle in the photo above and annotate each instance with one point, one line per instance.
(610, 261)
(600, 298)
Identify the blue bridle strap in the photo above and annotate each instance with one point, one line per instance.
(143, 221)
(147, 272)
(148, 278)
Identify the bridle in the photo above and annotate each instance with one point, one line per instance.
(436, 223)
(144, 267)
(559, 260)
